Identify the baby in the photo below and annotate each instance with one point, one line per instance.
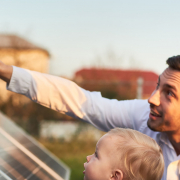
(125, 154)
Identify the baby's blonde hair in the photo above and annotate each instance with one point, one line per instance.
(141, 156)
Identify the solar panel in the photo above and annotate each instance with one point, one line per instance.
(22, 157)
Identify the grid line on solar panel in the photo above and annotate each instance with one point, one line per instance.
(33, 172)
(28, 153)
(5, 170)
(34, 147)
(31, 168)
(4, 176)
(16, 163)
(38, 173)
(11, 170)
(10, 160)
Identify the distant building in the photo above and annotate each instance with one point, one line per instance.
(17, 51)
(123, 82)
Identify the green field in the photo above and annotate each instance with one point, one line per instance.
(72, 153)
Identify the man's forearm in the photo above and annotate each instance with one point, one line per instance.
(5, 72)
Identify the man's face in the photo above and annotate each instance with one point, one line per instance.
(165, 103)
(99, 165)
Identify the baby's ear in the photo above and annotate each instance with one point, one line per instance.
(117, 175)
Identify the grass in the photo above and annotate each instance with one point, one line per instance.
(72, 153)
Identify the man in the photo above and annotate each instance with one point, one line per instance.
(160, 120)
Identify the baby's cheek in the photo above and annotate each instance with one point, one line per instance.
(91, 172)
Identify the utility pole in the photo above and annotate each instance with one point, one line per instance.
(139, 88)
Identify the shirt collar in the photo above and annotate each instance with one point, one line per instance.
(165, 140)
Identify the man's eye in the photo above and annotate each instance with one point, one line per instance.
(170, 93)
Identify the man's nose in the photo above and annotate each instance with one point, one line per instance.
(155, 98)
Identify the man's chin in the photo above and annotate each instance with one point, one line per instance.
(153, 126)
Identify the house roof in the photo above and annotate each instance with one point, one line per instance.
(111, 75)
(115, 75)
(8, 41)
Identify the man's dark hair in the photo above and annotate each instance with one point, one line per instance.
(174, 62)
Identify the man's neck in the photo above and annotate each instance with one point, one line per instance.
(174, 138)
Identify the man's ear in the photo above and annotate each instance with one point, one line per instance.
(117, 175)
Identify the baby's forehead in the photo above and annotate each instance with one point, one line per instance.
(115, 137)
(112, 145)
(111, 139)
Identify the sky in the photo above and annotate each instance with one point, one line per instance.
(97, 33)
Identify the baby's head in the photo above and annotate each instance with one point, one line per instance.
(125, 154)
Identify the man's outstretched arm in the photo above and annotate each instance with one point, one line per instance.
(5, 72)
(66, 97)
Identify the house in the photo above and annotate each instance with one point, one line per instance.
(123, 82)
(17, 51)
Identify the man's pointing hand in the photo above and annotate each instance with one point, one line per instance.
(5, 72)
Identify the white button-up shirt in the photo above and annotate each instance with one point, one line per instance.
(66, 97)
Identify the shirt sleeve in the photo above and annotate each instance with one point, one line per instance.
(66, 97)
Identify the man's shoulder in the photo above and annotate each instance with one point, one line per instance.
(139, 112)
(137, 109)
(140, 103)
(141, 106)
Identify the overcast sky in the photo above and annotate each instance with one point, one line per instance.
(109, 33)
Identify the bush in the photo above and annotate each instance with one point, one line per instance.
(72, 153)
